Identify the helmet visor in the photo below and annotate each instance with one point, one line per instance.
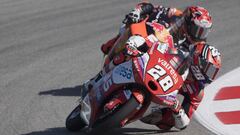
(198, 33)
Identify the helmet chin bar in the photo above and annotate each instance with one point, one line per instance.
(198, 33)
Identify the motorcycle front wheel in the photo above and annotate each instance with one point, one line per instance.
(116, 117)
(74, 122)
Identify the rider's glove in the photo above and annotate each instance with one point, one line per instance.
(176, 106)
(133, 17)
(132, 44)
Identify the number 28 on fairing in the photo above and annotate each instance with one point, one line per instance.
(157, 72)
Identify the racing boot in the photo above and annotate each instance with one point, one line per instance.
(181, 119)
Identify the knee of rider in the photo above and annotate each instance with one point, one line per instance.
(181, 120)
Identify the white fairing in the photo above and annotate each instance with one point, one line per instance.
(86, 110)
(123, 73)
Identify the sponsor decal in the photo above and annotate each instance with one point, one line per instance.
(124, 72)
(107, 84)
(170, 68)
(157, 73)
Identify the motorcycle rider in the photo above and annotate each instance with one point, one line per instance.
(189, 29)
(190, 26)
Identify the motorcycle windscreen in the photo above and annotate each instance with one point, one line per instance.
(160, 77)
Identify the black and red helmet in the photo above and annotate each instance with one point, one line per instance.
(198, 21)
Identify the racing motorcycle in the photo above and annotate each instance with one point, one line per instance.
(134, 89)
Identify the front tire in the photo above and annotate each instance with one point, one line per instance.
(74, 122)
(114, 120)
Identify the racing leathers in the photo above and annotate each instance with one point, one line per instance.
(173, 20)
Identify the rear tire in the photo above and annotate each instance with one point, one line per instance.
(113, 120)
(74, 122)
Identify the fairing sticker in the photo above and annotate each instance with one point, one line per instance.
(123, 73)
(100, 87)
(143, 61)
(171, 96)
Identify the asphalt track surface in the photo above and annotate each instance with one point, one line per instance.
(49, 47)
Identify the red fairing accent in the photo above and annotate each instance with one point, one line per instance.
(119, 99)
(112, 104)
(138, 95)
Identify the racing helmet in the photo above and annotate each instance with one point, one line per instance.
(208, 59)
(198, 22)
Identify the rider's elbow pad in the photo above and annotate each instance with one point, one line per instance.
(181, 120)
